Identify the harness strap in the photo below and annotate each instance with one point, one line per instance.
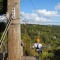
(37, 46)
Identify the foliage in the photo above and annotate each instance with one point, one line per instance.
(3, 6)
(2, 26)
(50, 37)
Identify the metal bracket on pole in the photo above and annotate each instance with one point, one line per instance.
(13, 13)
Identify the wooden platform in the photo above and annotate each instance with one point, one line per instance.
(22, 58)
(28, 58)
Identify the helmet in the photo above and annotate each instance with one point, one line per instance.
(38, 40)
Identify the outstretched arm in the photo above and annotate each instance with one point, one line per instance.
(43, 46)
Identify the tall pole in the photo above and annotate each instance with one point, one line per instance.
(14, 34)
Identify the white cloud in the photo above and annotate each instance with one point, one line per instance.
(44, 12)
(3, 18)
(57, 7)
(39, 16)
(33, 18)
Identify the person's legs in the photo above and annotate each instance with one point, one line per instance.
(40, 50)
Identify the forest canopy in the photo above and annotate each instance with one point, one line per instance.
(49, 37)
(3, 6)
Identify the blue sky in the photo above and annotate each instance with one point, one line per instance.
(40, 11)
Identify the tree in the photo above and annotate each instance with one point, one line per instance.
(2, 26)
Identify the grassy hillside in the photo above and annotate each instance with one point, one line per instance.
(49, 37)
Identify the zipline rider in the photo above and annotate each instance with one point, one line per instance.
(38, 46)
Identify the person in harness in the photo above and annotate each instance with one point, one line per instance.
(38, 46)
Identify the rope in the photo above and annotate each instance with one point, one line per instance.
(12, 16)
(5, 32)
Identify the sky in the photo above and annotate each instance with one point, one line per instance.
(45, 12)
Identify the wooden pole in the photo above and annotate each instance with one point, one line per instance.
(14, 34)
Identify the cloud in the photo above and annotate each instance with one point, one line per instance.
(57, 7)
(40, 16)
(46, 13)
(3, 18)
(33, 18)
